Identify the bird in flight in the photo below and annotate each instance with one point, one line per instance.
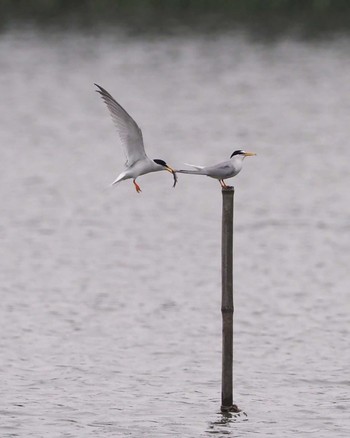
(137, 162)
(221, 171)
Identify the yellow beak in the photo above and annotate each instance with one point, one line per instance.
(169, 169)
(249, 154)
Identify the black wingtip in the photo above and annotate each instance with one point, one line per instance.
(100, 89)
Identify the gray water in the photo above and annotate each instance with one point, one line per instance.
(110, 300)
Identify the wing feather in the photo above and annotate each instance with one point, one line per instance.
(129, 132)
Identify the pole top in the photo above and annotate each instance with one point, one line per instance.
(228, 189)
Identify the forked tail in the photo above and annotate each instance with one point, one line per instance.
(198, 171)
(121, 177)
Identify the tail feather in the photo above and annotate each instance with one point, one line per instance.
(192, 172)
(198, 171)
(195, 166)
(121, 177)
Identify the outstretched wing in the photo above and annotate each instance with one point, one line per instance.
(129, 132)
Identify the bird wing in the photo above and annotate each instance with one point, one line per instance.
(129, 132)
(221, 170)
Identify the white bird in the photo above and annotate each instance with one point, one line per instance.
(221, 171)
(137, 162)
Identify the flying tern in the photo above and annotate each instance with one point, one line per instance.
(137, 162)
(221, 171)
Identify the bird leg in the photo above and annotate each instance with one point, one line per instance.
(137, 187)
(224, 185)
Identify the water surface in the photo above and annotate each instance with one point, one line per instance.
(110, 302)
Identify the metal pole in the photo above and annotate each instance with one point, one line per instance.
(227, 307)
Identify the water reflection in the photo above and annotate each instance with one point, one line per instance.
(223, 424)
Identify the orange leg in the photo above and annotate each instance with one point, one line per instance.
(224, 185)
(137, 187)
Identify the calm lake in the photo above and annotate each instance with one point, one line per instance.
(110, 300)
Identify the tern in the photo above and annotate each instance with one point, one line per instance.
(221, 171)
(137, 162)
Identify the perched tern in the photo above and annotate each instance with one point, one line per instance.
(137, 162)
(221, 171)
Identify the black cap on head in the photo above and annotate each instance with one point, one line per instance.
(239, 152)
(160, 162)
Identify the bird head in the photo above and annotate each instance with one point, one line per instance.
(242, 154)
(163, 164)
